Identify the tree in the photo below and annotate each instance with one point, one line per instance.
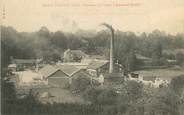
(133, 89)
(81, 84)
(59, 40)
(162, 102)
(91, 93)
(131, 62)
(8, 94)
(178, 41)
(157, 50)
(177, 85)
(107, 96)
(180, 58)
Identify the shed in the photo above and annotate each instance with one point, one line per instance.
(62, 75)
(96, 67)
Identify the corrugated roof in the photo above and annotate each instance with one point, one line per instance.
(95, 64)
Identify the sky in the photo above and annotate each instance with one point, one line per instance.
(71, 15)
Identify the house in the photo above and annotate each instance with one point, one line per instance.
(73, 55)
(97, 67)
(54, 76)
(157, 77)
(22, 64)
(47, 70)
(146, 80)
(61, 75)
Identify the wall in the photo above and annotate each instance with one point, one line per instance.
(58, 79)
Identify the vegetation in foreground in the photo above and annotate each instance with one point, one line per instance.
(134, 99)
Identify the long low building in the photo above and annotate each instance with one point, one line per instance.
(156, 77)
(62, 75)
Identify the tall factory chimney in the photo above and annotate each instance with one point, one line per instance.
(111, 64)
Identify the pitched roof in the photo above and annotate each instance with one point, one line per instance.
(48, 70)
(95, 64)
(68, 69)
(75, 64)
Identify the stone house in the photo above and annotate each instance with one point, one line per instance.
(73, 55)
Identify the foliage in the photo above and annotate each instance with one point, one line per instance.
(131, 61)
(104, 102)
(133, 89)
(177, 85)
(91, 94)
(180, 59)
(81, 83)
(107, 96)
(133, 99)
(162, 101)
(51, 45)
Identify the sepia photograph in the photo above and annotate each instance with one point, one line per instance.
(92, 57)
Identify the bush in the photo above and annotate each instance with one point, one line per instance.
(100, 96)
(80, 84)
(180, 59)
(91, 94)
(134, 90)
(177, 85)
(107, 96)
(159, 62)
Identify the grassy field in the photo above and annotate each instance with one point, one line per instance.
(168, 73)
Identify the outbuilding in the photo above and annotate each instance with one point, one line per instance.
(61, 76)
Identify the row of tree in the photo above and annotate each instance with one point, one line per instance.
(51, 45)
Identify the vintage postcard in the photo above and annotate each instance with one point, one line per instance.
(92, 57)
